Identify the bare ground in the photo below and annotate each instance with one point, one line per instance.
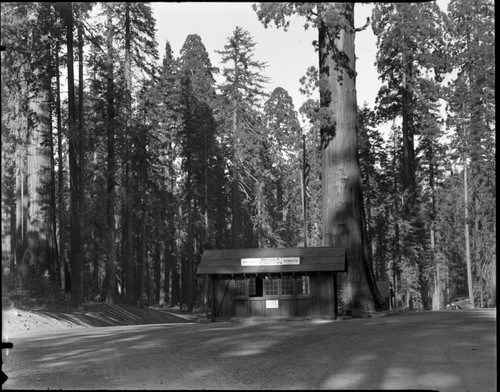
(446, 351)
(22, 319)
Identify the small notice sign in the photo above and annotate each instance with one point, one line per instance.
(272, 304)
(255, 262)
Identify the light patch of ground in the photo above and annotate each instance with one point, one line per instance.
(16, 320)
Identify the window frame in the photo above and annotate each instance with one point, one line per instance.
(299, 279)
(287, 277)
(246, 281)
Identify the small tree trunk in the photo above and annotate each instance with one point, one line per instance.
(142, 251)
(62, 208)
(53, 257)
(81, 156)
(467, 238)
(75, 260)
(111, 256)
(408, 153)
(303, 189)
(21, 209)
(161, 299)
(235, 191)
(170, 281)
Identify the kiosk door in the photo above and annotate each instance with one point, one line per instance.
(256, 296)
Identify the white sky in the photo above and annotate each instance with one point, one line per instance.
(288, 54)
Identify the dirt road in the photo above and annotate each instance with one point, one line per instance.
(445, 351)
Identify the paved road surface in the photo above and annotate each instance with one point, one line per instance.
(445, 351)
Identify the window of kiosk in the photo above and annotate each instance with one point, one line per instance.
(287, 286)
(271, 286)
(255, 286)
(302, 285)
(240, 287)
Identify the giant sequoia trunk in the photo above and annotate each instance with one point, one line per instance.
(341, 175)
(39, 223)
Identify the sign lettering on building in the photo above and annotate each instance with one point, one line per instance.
(255, 262)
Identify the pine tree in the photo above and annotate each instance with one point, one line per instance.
(309, 112)
(411, 42)
(169, 112)
(471, 103)
(242, 90)
(374, 167)
(197, 141)
(111, 159)
(281, 150)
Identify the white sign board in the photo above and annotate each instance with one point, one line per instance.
(272, 304)
(255, 262)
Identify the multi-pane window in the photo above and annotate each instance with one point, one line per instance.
(287, 285)
(251, 287)
(239, 287)
(303, 285)
(271, 285)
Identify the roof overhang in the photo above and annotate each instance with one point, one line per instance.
(272, 260)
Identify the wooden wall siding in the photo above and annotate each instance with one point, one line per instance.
(241, 308)
(256, 308)
(223, 292)
(320, 302)
(323, 294)
(228, 261)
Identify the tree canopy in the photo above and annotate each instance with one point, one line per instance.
(124, 162)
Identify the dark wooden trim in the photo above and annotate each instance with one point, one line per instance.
(320, 251)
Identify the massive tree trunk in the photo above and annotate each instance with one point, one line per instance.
(39, 236)
(341, 175)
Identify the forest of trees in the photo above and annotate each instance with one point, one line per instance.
(115, 182)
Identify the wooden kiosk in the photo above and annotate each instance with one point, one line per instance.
(266, 282)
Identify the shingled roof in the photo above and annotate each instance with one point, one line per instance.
(270, 260)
